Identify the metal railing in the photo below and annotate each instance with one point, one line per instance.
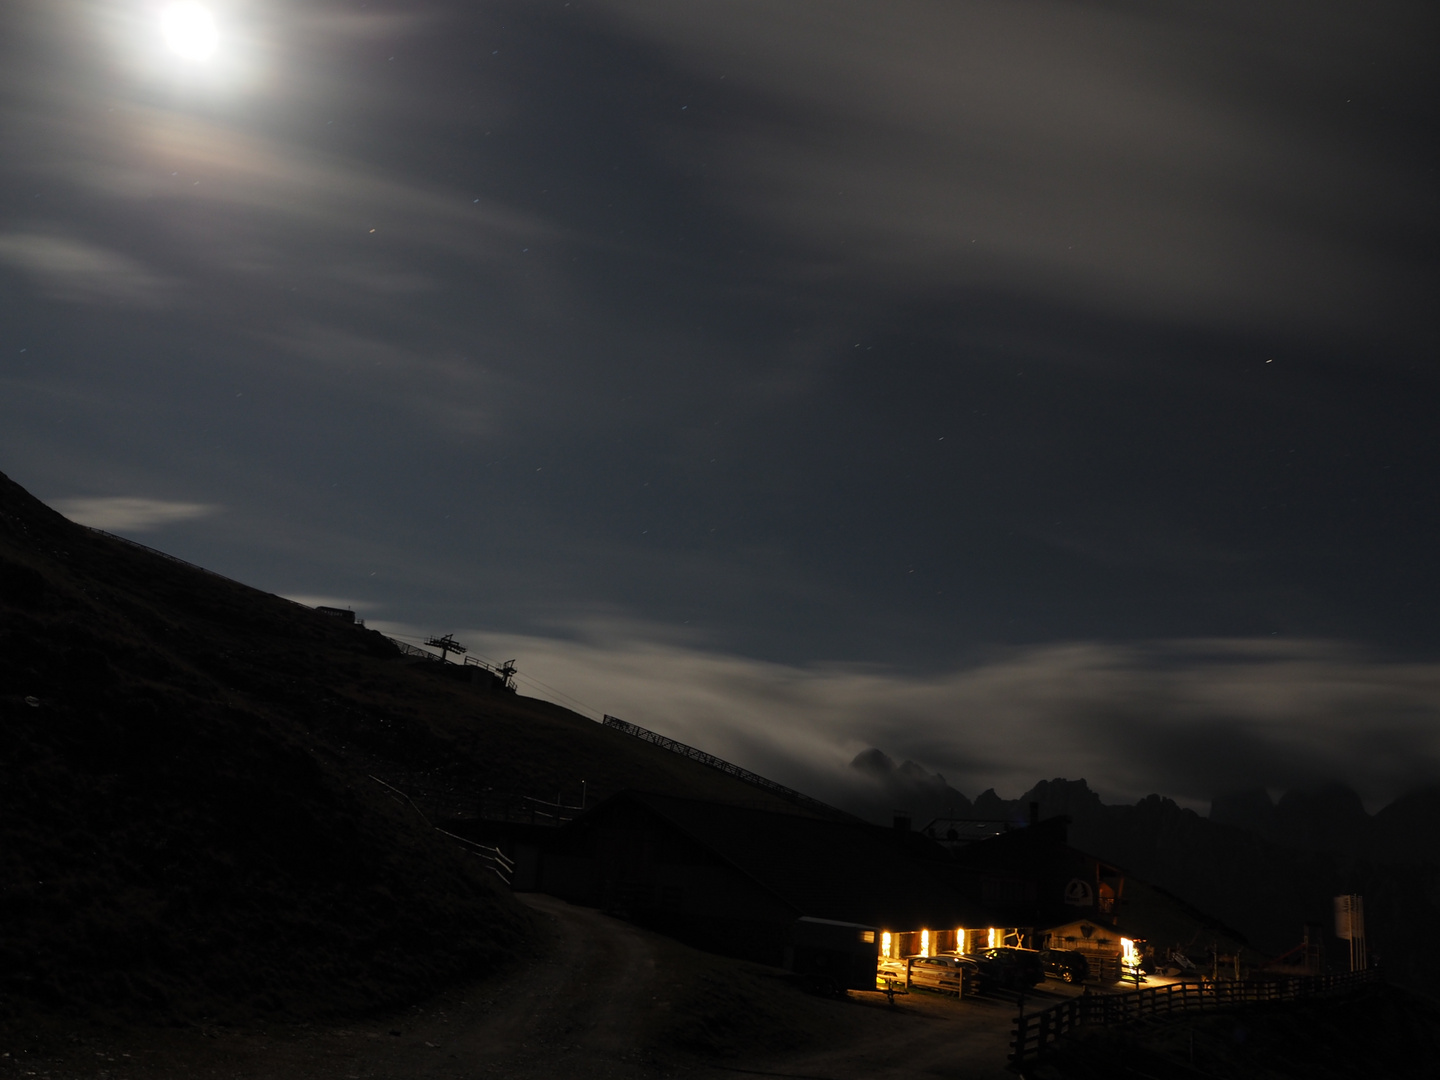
(675, 747)
(444, 799)
(504, 672)
(1038, 1031)
(174, 559)
(406, 649)
(357, 621)
(495, 860)
(524, 809)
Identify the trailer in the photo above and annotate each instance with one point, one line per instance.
(831, 956)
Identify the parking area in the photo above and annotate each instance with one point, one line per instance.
(1048, 992)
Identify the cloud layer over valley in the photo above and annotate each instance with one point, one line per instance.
(1190, 720)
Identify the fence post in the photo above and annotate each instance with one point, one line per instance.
(1022, 1032)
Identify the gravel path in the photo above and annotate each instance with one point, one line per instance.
(594, 1007)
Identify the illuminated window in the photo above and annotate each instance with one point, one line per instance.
(1129, 954)
(867, 936)
(924, 942)
(994, 937)
(885, 943)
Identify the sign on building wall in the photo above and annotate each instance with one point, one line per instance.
(1078, 893)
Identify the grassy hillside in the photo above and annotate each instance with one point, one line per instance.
(187, 824)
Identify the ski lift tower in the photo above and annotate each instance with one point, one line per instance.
(506, 671)
(446, 645)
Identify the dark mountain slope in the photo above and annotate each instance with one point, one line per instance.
(1263, 887)
(187, 824)
(1331, 818)
(1408, 830)
(884, 787)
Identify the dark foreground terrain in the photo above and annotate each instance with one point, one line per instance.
(605, 1000)
(188, 824)
(1380, 1032)
(200, 876)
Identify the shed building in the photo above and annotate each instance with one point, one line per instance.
(736, 880)
(776, 886)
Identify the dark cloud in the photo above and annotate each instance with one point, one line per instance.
(828, 334)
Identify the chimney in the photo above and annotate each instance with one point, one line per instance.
(1034, 813)
(902, 821)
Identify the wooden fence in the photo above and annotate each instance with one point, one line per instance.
(1037, 1031)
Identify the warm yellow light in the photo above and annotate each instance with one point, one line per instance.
(994, 937)
(1128, 952)
(924, 942)
(885, 943)
(189, 30)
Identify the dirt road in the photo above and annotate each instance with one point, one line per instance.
(607, 1001)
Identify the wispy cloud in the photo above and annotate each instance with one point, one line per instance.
(74, 270)
(131, 514)
(1076, 150)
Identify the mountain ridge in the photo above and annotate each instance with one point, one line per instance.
(1270, 877)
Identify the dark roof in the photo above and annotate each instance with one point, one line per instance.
(847, 870)
(963, 830)
(1020, 849)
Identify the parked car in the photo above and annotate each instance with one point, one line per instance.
(892, 973)
(1012, 968)
(1066, 964)
(947, 973)
(958, 975)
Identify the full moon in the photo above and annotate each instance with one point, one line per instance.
(189, 30)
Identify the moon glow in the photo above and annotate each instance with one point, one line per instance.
(189, 30)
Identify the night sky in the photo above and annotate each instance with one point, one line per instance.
(1027, 389)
